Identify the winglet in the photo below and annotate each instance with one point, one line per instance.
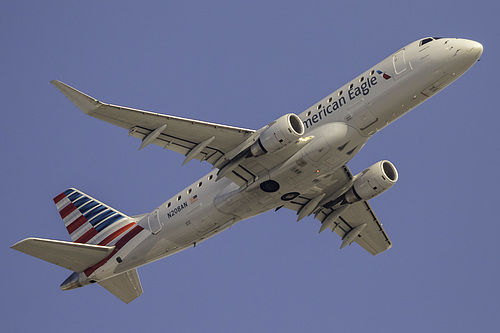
(84, 102)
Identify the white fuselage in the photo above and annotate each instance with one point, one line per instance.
(342, 121)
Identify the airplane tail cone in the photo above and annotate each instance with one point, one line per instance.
(72, 282)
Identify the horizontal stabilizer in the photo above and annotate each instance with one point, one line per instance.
(73, 256)
(126, 286)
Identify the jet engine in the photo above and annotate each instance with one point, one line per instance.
(278, 134)
(373, 181)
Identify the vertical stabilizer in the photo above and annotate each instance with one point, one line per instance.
(90, 221)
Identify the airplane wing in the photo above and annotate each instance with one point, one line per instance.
(358, 223)
(195, 139)
(373, 238)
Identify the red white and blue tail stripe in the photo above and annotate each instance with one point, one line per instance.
(89, 220)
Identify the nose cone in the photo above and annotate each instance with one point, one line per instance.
(473, 49)
(464, 52)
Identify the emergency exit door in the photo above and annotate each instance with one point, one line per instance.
(399, 62)
(154, 222)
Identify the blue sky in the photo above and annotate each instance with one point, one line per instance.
(245, 64)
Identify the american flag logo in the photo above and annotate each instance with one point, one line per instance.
(384, 75)
(193, 199)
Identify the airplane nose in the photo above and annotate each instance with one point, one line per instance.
(464, 53)
(473, 49)
(470, 50)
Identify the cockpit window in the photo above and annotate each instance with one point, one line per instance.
(426, 40)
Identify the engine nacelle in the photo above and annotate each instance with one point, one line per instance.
(373, 181)
(278, 134)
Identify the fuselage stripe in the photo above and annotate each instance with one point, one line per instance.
(121, 243)
(115, 234)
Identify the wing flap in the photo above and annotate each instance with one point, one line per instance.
(372, 238)
(126, 286)
(73, 256)
(178, 144)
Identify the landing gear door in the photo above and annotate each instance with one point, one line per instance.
(154, 222)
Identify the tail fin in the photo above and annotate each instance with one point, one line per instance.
(77, 257)
(98, 232)
(90, 221)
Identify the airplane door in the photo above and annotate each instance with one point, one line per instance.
(399, 62)
(154, 222)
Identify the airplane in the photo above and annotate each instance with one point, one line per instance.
(297, 162)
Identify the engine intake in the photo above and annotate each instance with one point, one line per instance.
(375, 180)
(278, 134)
